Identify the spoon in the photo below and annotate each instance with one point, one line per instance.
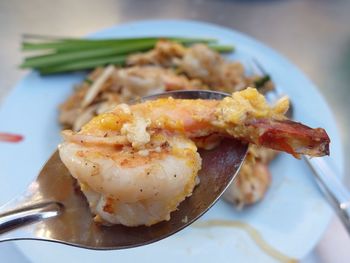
(54, 209)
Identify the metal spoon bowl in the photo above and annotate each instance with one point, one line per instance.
(54, 208)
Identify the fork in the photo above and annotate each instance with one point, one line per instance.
(326, 175)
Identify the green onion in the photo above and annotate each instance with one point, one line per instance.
(222, 48)
(58, 55)
(88, 81)
(73, 44)
(83, 64)
(262, 81)
(66, 57)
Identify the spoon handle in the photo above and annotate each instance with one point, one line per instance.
(332, 187)
(24, 215)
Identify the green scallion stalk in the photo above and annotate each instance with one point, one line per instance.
(222, 48)
(83, 65)
(58, 55)
(73, 44)
(262, 81)
(66, 57)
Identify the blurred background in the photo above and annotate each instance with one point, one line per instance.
(313, 34)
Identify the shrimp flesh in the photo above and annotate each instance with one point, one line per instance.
(135, 164)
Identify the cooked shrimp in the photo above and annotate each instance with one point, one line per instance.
(246, 116)
(137, 163)
(133, 187)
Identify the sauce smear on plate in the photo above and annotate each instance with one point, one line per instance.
(252, 232)
(8, 137)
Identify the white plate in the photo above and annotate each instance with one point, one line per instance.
(291, 218)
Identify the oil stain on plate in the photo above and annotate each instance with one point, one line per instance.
(253, 234)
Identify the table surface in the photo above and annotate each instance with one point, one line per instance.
(313, 34)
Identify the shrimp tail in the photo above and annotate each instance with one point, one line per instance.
(291, 137)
